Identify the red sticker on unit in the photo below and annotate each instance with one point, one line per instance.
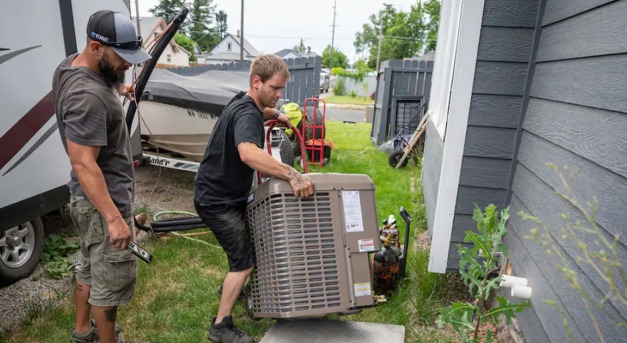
(366, 245)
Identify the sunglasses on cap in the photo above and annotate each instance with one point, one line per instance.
(132, 45)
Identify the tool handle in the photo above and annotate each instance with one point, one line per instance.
(139, 252)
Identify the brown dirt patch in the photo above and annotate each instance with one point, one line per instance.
(162, 189)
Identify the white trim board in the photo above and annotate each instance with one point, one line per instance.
(455, 138)
(444, 63)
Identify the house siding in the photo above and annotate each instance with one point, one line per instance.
(502, 65)
(576, 115)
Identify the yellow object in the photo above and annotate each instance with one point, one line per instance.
(292, 110)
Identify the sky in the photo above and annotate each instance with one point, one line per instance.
(273, 25)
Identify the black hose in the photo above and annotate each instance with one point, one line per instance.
(176, 221)
(172, 224)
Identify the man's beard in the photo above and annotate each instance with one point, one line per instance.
(108, 72)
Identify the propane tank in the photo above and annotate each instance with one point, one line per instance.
(386, 262)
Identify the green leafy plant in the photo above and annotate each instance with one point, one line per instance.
(338, 71)
(352, 94)
(55, 260)
(602, 256)
(356, 75)
(339, 88)
(478, 266)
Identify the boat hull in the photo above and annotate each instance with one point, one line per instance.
(176, 129)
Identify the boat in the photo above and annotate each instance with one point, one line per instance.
(177, 113)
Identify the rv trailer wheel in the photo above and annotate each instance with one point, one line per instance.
(20, 249)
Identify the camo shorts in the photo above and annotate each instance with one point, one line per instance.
(111, 272)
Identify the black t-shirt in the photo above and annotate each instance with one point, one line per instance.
(222, 177)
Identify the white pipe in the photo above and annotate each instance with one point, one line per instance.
(522, 292)
(509, 281)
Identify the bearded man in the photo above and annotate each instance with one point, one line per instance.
(86, 89)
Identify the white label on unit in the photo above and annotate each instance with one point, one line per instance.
(352, 211)
(365, 244)
(362, 289)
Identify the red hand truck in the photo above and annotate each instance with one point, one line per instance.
(316, 148)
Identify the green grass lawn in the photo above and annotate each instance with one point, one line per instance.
(176, 295)
(349, 100)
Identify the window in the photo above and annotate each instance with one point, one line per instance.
(169, 58)
(444, 63)
(229, 46)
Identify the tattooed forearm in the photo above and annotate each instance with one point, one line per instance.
(297, 178)
(291, 172)
(111, 314)
(301, 184)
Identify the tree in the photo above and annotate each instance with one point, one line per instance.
(187, 44)
(198, 25)
(432, 9)
(339, 59)
(201, 18)
(168, 9)
(301, 49)
(221, 26)
(404, 34)
(361, 66)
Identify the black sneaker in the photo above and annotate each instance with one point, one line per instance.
(225, 332)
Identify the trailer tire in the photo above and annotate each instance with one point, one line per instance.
(310, 121)
(285, 149)
(29, 245)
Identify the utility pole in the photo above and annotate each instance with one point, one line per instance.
(332, 40)
(139, 31)
(241, 39)
(379, 47)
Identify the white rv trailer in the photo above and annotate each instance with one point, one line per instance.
(35, 36)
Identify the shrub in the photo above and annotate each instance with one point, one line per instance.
(339, 88)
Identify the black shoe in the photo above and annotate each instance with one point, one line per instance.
(225, 332)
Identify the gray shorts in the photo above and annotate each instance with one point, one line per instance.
(111, 272)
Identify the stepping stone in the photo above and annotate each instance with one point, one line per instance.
(332, 331)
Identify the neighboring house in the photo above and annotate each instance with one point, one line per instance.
(228, 50)
(291, 53)
(518, 84)
(174, 55)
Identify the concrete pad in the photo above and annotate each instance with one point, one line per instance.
(332, 331)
